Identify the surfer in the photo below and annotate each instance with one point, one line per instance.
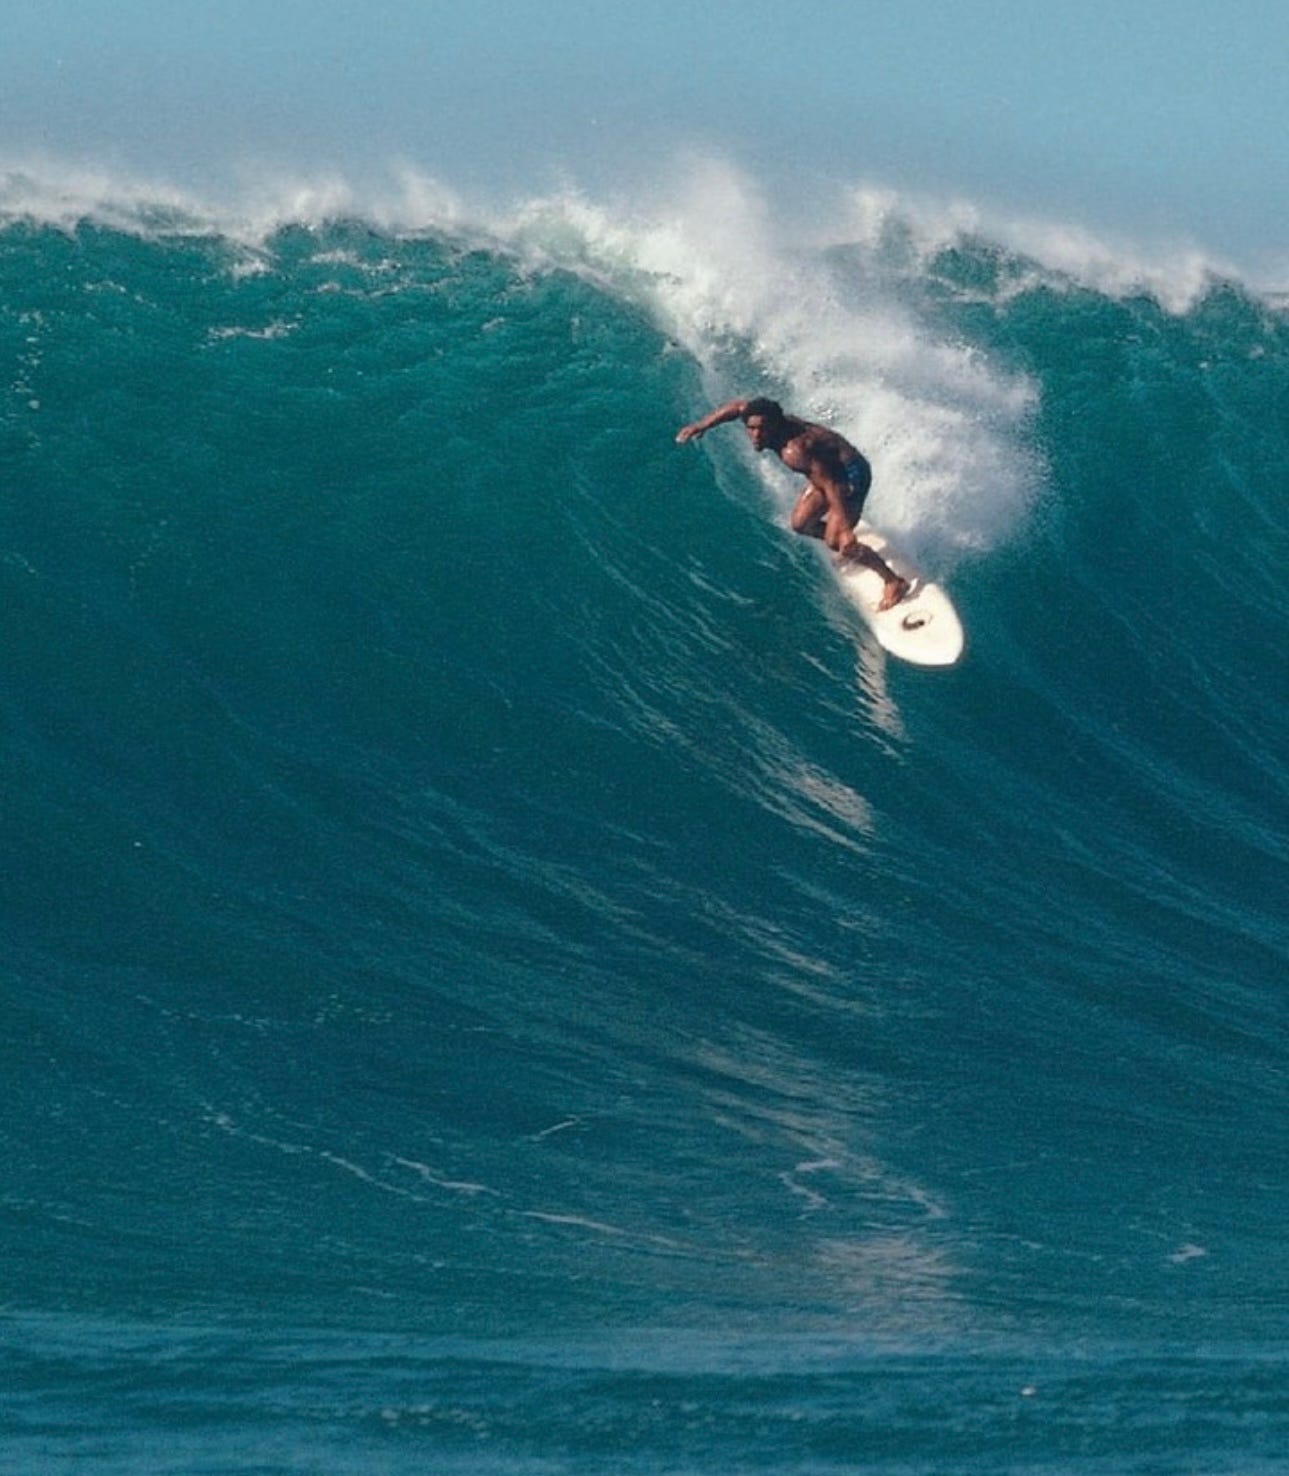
(837, 478)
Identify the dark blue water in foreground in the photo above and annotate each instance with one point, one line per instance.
(499, 976)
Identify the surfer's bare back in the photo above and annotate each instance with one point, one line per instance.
(837, 478)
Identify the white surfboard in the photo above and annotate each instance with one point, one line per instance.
(924, 627)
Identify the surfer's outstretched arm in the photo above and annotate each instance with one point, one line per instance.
(731, 410)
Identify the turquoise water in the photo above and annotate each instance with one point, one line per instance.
(501, 976)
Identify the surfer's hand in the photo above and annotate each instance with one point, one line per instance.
(689, 433)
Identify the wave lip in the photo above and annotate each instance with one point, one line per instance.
(1175, 273)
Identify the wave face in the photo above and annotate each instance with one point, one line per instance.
(500, 973)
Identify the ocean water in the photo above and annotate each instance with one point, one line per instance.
(500, 975)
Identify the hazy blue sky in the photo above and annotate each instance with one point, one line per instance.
(1169, 115)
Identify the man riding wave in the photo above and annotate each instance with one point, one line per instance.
(837, 478)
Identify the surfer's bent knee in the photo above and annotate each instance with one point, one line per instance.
(807, 516)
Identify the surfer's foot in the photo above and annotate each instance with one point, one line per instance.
(896, 589)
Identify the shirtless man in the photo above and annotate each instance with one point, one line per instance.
(837, 478)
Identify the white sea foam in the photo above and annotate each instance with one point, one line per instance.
(248, 211)
(60, 194)
(754, 294)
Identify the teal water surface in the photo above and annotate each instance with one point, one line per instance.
(500, 975)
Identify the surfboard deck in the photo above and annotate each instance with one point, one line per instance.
(924, 627)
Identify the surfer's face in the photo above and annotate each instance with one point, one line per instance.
(758, 432)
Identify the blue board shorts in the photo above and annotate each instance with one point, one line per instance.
(859, 478)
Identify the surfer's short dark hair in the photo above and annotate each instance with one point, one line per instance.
(767, 409)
